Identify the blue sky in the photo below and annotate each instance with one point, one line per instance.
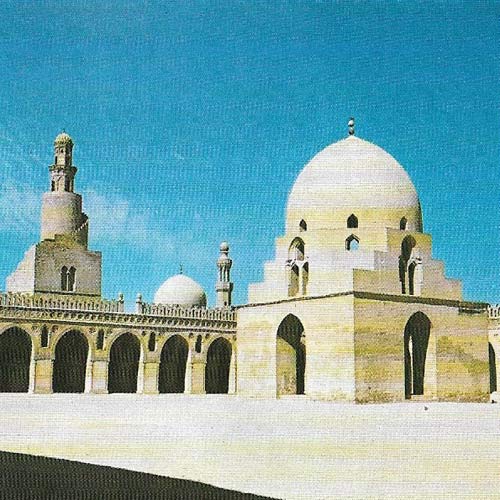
(192, 119)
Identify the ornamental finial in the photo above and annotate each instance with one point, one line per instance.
(350, 125)
(181, 270)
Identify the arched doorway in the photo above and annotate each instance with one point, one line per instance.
(70, 363)
(15, 359)
(124, 364)
(218, 366)
(416, 340)
(493, 368)
(173, 361)
(290, 357)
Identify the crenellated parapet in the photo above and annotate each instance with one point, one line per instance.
(67, 310)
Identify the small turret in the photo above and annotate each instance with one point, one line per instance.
(62, 172)
(224, 287)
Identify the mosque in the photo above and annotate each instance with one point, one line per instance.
(352, 308)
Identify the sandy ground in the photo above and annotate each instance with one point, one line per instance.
(292, 448)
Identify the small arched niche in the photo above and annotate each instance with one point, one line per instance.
(302, 226)
(352, 221)
(403, 223)
(352, 243)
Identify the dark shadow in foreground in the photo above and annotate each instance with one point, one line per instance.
(39, 478)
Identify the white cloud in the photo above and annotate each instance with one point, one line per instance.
(114, 220)
(19, 207)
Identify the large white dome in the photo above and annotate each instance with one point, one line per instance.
(353, 176)
(181, 290)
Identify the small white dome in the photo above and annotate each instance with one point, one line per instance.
(181, 290)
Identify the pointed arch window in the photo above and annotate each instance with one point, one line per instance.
(71, 279)
(403, 223)
(352, 221)
(64, 278)
(44, 337)
(100, 340)
(152, 342)
(197, 346)
(302, 226)
(296, 250)
(352, 243)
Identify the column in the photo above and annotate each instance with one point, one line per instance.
(151, 371)
(99, 376)
(43, 376)
(232, 371)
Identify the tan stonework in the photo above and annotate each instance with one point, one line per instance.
(353, 307)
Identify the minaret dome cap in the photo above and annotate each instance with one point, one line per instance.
(224, 246)
(63, 138)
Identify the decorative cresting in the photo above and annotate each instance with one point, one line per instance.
(494, 311)
(36, 309)
(55, 303)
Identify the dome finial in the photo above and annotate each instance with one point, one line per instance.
(181, 270)
(350, 125)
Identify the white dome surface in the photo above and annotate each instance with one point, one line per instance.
(352, 173)
(181, 290)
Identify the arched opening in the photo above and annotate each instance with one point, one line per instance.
(15, 358)
(305, 277)
(71, 279)
(44, 337)
(218, 366)
(100, 340)
(493, 368)
(293, 280)
(173, 361)
(152, 342)
(302, 225)
(352, 243)
(411, 278)
(352, 221)
(416, 340)
(290, 357)
(402, 224)
(64, 278)
(124, 364)
(407, 246)
(70, 363)
(197, 346)
(296, 250)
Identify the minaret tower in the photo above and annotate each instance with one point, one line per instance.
(61, 207)
(62, 173)
(224, 287)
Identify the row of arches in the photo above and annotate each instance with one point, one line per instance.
(352, 223)
(71, 362)
(291, 356)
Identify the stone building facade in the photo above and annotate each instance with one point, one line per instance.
(353, 307)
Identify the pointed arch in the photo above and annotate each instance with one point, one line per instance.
(64, 278)
(15, 359)
(302, 225)
(173, 361)
(416, 341)
(352, 243)
(123, 366)
(296, 250)
(71, 279)
(293, 280)
(352, 221)
(218, 366)
(493, 368)
(70, 362)
(290, 357)
(403, 223)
